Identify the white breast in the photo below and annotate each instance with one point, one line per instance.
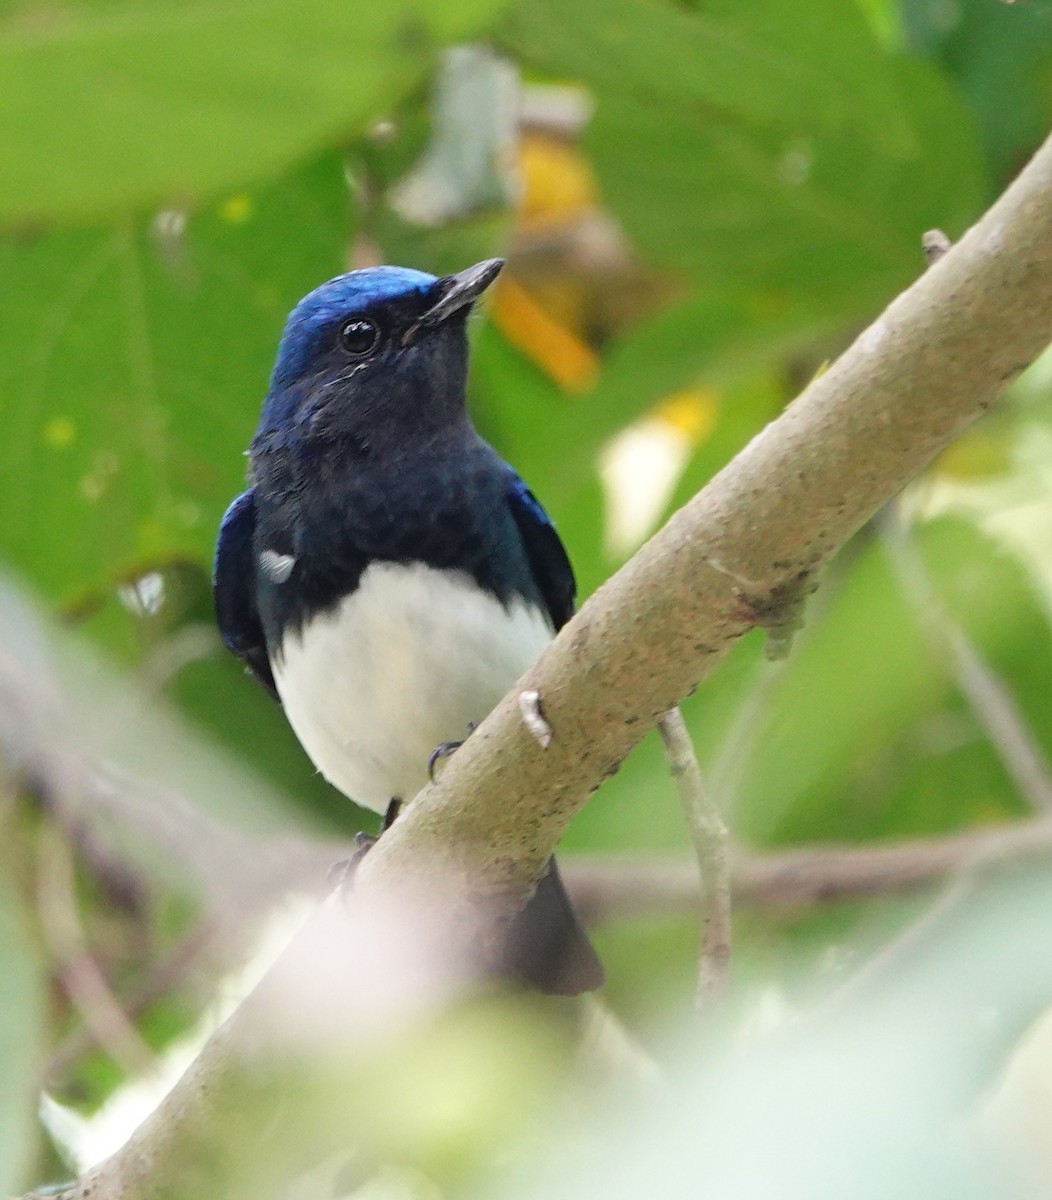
(405, 663)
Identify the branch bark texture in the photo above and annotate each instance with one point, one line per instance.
(737, 556)
(743, 549)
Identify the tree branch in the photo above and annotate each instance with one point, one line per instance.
(627, 888)
(929, 366)
(761, 530)
(990, 700)
(709, 835)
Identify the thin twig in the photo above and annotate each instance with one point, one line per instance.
(995, 709)
(992, 704)
(884, 962)
(169, 973)
(1027, 839)
(709, 835)
(80, 975)
(727, 769)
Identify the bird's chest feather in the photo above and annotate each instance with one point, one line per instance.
(406, 661)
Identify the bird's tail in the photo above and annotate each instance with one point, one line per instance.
(546, 946)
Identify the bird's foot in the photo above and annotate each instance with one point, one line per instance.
(441, 751)
(445, 749)
(341, 874)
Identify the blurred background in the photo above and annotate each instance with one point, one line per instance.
(701, 202)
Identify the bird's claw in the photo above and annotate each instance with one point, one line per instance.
(440, 752)
(445, 750)
(341, 874)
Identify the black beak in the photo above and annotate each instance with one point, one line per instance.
(455, 292)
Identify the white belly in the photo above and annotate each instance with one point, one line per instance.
(403, 664)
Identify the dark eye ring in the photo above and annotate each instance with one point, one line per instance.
(360, 337)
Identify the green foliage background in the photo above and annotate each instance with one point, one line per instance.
(175, 177)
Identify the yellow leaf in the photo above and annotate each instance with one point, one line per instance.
(554, 348)
(557, 181)
(692, 412)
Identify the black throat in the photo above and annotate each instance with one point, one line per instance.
(334, 506)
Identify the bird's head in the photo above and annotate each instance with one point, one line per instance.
(374, 352)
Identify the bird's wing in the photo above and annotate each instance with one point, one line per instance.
(233, 590)
(547, 556)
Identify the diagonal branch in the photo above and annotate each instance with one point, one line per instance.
(750, 542)
(992, 703)
(747, 546)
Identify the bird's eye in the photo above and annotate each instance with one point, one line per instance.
(360, 337)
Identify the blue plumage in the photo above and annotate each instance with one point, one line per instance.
(309, 322)
(386, 575)
(235, 601)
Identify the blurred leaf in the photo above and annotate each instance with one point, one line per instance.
(715, 337)
(754, 62)
(133, 363)
(558, 348)
(746, 406)
(555, 438)
(22, 1010)
(474, 120)
(218, 693)
(157, 103)
(982, 452)
(813, 219)
(861, 1095)
(558, 183)
(651, 969)
(772, 146)
(884, 18)
(1000, 55)
(866, 733)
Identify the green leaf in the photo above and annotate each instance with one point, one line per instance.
(770, 62)
(554, 438)
(111, 109)
(132, 366)
(773, 147)
(22, 1006)
(866, 732)
(806, 218)
(983, 46)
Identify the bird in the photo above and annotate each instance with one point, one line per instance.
(386, 576)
